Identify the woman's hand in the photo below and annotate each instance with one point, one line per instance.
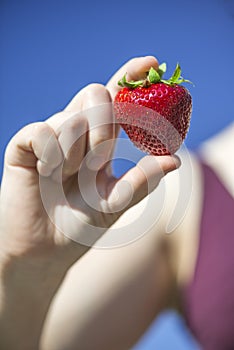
(58, 182)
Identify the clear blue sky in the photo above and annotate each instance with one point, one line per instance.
(50, 49)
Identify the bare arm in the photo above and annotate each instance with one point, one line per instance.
(111, 296)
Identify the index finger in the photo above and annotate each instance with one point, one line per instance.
(136, 69)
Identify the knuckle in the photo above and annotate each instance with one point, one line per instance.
(39, 128)
(40, 133)
(22, 137)
(96, 89)
(8, 149)
(134, 60)
(76, 125)
(59, 120)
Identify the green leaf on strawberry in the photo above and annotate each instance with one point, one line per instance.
(130, 84)
(155, 76)
(162, 69)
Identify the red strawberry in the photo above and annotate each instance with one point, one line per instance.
(155, 113)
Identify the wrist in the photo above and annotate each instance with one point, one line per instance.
(26, 291)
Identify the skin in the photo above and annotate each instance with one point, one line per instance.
(35, 255)
(70, 296)
(134, 283)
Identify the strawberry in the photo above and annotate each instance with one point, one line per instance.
(155, 113)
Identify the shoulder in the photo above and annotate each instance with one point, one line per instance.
(185, 198)
(217, 152)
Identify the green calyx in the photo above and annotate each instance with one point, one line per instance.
(155, 76)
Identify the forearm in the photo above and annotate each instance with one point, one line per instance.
(26, 291)
(110, 297)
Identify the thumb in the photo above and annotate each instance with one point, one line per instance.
(139, 181)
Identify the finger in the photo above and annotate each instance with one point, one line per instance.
(92, 103)
(71, 130)
(72, 137)
(35, 145)
(97, 108)
(136, 69)
(46, 148)
(75, 105)
(139, 181)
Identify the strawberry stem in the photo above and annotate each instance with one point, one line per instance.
(155, 76)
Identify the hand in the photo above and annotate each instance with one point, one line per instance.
(33, 220)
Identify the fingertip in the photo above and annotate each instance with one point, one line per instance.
(177, 160)
(169, 163)
(43, 169)
(143, 61)
(138, 67)
(151, 60)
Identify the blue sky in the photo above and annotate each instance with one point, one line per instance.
(51, 49)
